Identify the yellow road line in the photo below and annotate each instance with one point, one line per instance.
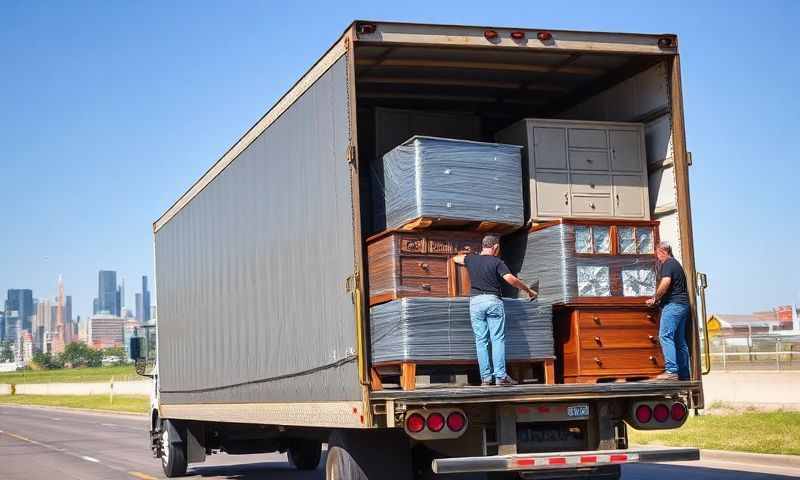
(142, 476)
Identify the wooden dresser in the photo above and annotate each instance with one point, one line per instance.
(597, 342)
(418, 264)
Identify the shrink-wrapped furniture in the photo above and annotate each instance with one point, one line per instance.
(438, 181)
(418, 264)
(583, 169)
(596, 276)
(412, 331)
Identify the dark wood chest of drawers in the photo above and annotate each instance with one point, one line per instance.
(603, 343)
(418, 264)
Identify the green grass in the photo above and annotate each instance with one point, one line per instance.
(122, 403)
(748, 431)
(72, 375)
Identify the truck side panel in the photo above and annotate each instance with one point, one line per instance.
(252, 305)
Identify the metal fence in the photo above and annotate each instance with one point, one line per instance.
(755, 352)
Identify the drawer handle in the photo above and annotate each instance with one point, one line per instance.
(426, 286)
(423, 266)
(566, 199)
(652, 338)
(650, 317)
(596, 319)
(592, 205)
(653, 359)
(618, 199)
(598, 341)
(588, 160)
(598, 362)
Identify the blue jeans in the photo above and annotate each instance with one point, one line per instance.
(672, 335)
(488, 317)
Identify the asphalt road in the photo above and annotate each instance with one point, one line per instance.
(45, 444)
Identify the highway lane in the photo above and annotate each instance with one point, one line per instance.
(43, 444)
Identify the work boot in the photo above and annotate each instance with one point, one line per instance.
(506, 382)
(667, 377)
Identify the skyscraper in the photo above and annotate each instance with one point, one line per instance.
(2, 325)
(21, 301)
(145, 300)
(139, 315)
(107, 292)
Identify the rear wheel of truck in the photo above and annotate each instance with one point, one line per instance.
(173, 450)
(305, 454)
(368, 455)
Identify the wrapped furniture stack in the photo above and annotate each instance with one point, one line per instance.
(441, 197)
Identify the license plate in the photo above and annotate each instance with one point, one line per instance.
(578, 411)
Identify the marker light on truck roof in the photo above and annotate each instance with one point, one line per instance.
(456, 421)
(490, 34)
(435, 422)
(415, 423)
(643, 413)
(666, 42)
(678, 411)
(544, 36)
(518, 35)
(366, 28)
(661, 413)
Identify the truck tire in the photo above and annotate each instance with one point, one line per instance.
(305, 454)
(368, 455)
(173, 450)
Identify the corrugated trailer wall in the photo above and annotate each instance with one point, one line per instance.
(251, 273)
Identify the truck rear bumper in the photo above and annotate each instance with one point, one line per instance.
(562, 460)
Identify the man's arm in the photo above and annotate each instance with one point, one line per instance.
(662, 288)
(515, 282)
(459, 259)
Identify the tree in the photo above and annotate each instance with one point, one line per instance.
(78, 354)
(117, 352)
(48, 361)
(6, 353)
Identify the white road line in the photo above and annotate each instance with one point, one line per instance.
(109, 425)
(90, 459)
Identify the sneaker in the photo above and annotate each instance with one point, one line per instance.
(667, 377)
(505, 382)
(487, 382)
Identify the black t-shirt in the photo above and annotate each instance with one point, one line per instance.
(485, 274)
(677, 292)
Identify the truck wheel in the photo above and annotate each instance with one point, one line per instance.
(368, 455)
(305, 454)
(341, 466)
(173, 451)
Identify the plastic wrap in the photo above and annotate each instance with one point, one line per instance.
(569, 261)
(419, 329)
(449, 179)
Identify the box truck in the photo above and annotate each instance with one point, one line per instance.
(263, 338)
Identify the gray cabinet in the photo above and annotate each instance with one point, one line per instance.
(583, 169)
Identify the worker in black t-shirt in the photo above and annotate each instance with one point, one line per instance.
(486, 274)
(673, 296)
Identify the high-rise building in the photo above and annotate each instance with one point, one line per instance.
(139, 307)
(107, 292)
(145, 300)
(106, 331)
(68, 309)
(21, 301)
(2, 325)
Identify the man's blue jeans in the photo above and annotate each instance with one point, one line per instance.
(489, 322)
(672, 335)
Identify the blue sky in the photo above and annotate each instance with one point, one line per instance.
(110, 110)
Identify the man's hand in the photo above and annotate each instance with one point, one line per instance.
(515, 282)
(651, 301)
(459, 259)
(532, 294)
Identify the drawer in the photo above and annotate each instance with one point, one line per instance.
(609, 339)
(616, 319)
(423, 266)
(588, 160)
(440, 246)
(632, 360)
(423, 287)
(591, 183)
(588, 138)
(599, 205)
(412, 244)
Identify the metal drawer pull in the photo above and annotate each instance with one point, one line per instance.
(597, 339)
(566, 199)
(588, 160)
(653, 359)
(423, 266)
(652, 338)
(592, 205)
(596, 319)
(598, 361)
(426, 286)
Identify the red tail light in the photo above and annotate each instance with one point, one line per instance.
(435, 422)
(490, 34)
(517, 35)
(544, 36)
(661, 413)
(456, 421)
(415, 423)
(678, 412)
(643, 414)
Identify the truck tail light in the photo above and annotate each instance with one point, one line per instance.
(643, 413)
(490, 34)
(415, 423)
(435, 422)
(517, 35)
(678, 412)
(661, 413)
(544, 36)
(456, 421)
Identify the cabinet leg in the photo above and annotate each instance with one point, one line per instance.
(549, 371)
(408, 376)
(375, 380)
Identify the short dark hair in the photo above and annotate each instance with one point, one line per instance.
(490, 241)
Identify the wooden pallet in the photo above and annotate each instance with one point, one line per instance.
(425, 223)
(542, 369)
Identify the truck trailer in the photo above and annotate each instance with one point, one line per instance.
(263, 329)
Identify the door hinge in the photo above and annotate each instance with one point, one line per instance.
(351, 155)
(351, 283)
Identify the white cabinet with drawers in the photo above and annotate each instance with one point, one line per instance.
(583, 169)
